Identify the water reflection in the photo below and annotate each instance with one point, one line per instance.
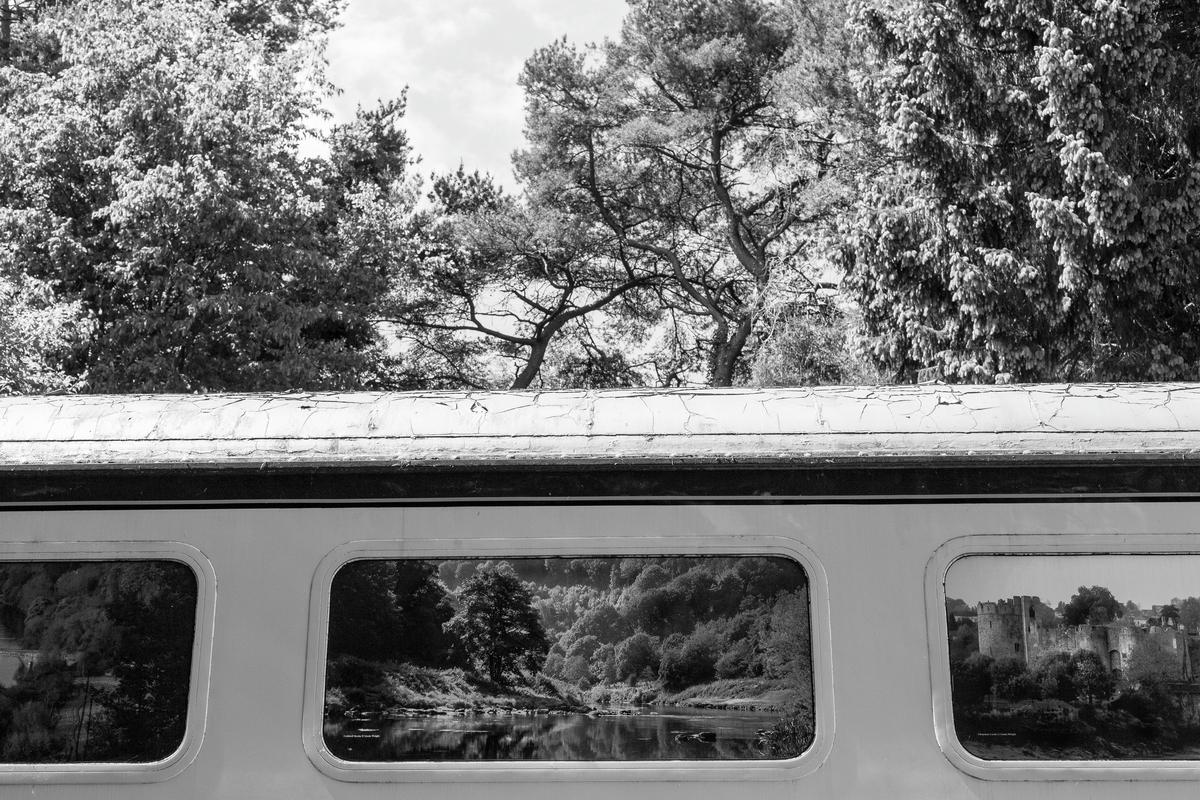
(644, 736)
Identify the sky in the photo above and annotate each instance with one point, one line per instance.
(460, 60)
(1145, 579)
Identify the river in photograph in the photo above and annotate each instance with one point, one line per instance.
(641, 735)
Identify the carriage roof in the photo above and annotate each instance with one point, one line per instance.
(824, 424)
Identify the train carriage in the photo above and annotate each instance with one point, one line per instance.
(882, 592)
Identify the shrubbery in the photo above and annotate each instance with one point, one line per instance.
(687, 661)
(1079, 677)
(682, 621)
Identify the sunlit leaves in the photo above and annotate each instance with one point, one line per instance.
(204, 253)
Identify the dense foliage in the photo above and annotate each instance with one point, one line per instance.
(1076, 701)
(670, 625)
(497, 623)
(151, 190)
(728, 191)
(1092, 606)
(1039, 220)
(111, 677)
(391, 610)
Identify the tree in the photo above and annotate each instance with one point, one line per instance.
(604, 664)
(652, 576)
(279, 23)
(365, 195)
(12, 12)
(970, 680)
(602, 620)
(493, 278)
(1152, 662)
(29, 724)
(36, 331)
(1011, 680)
(963, 640)
(689, 660)
(153, 616)
(363, 619)
(660, 611)
(637, 656)
(785, 645)
(498, 624)
(1055, 677)
(766, 577)
(810, 343)
(1094, 606)
(582, 661)
(152, 178)
(1041, 218)
(423, 610)
(1189, 613)
(1093, 680)
(672, 138)
(738, 660)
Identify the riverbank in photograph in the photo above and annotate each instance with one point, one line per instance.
(409, 713)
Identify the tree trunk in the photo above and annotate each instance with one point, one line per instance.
(533, 364)
(726, 355)
(6, 16)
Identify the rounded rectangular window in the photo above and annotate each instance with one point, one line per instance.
(569, 659)
(1075, 657)
(95, 660)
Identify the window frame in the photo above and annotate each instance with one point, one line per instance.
(1092, 544)
(560, 771)
(189, 747)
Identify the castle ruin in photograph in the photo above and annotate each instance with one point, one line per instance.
(1011, 629)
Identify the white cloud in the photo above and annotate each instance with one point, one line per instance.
(461, 59)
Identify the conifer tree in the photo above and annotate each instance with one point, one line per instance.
(1042, 216)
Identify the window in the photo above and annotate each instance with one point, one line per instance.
(1106, 668)
(96, 659)
(568, 659)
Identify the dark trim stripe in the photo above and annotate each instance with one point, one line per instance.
(615, 481)
(590, 502)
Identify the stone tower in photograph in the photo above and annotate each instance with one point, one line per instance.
(1008, 628)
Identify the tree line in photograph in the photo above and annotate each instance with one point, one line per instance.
(1082, 697)
(98, 656)
(770, 192)
(409, 638)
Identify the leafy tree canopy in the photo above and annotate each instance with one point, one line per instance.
(1189, 612)
(495, 284)
(1041, 218)
(679, 139)
(498, 624)
(1152, 661)
(1092, 606)
(152, 182)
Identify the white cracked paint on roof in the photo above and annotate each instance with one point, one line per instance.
(743, 424)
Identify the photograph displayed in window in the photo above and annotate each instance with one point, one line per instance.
(1075, 657)
(95, 660)
(569, 659)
